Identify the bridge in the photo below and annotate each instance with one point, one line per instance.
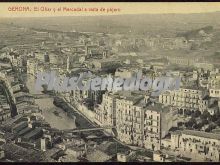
(42, 95)
(89, 129)
(84, 129)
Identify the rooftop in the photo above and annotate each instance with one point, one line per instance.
(17, 153)
(201, 134)
(158, 107)
(32, 133)
(98, 156)
(136, 97)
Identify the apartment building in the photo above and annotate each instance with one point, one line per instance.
(129, 119)
(158, 119)
(126, 72)
(215, 92)
(197, 144)
(214, 80)
(214, 85)
(106, 111)
(32, 66)
(185, 98)
(182, 61)
(141, 122)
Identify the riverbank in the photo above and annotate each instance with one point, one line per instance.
(80, 120)
(49, 110)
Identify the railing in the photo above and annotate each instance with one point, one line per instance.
(87, 129)
(39, 96)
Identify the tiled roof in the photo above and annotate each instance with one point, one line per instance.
(98, 156)
(201, 134)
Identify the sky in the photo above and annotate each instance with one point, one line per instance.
(9, 9)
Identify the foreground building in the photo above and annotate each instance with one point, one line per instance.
(197, 144)
(137, 119)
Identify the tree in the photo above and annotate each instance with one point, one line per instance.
(205, 121)
(188, 112)
(196, 114)
(180, 111)
(191, 122)
(198, 126)
(180, 124)
(205, 115)
(214, 118)
(218, 122)
(210, 127)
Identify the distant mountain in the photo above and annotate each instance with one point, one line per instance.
(196, 33)
(169, 24)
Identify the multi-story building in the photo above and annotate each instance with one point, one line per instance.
(128, 119)
(214, 85)
(32, 66)
(158, 119)
(166, 98)
(39, 56)
(7, 93)
(214, 80)
(106, 111)
(197, 144)
(183, 61)
(104, 64)
(204, 65)
(138, 121)
(215, 92)
(125, 72)
(184, 98)
(5, 111)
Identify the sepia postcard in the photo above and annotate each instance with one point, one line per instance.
(109, 82)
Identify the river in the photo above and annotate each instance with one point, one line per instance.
(60, 121)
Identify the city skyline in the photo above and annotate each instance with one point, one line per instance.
(132, 87)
